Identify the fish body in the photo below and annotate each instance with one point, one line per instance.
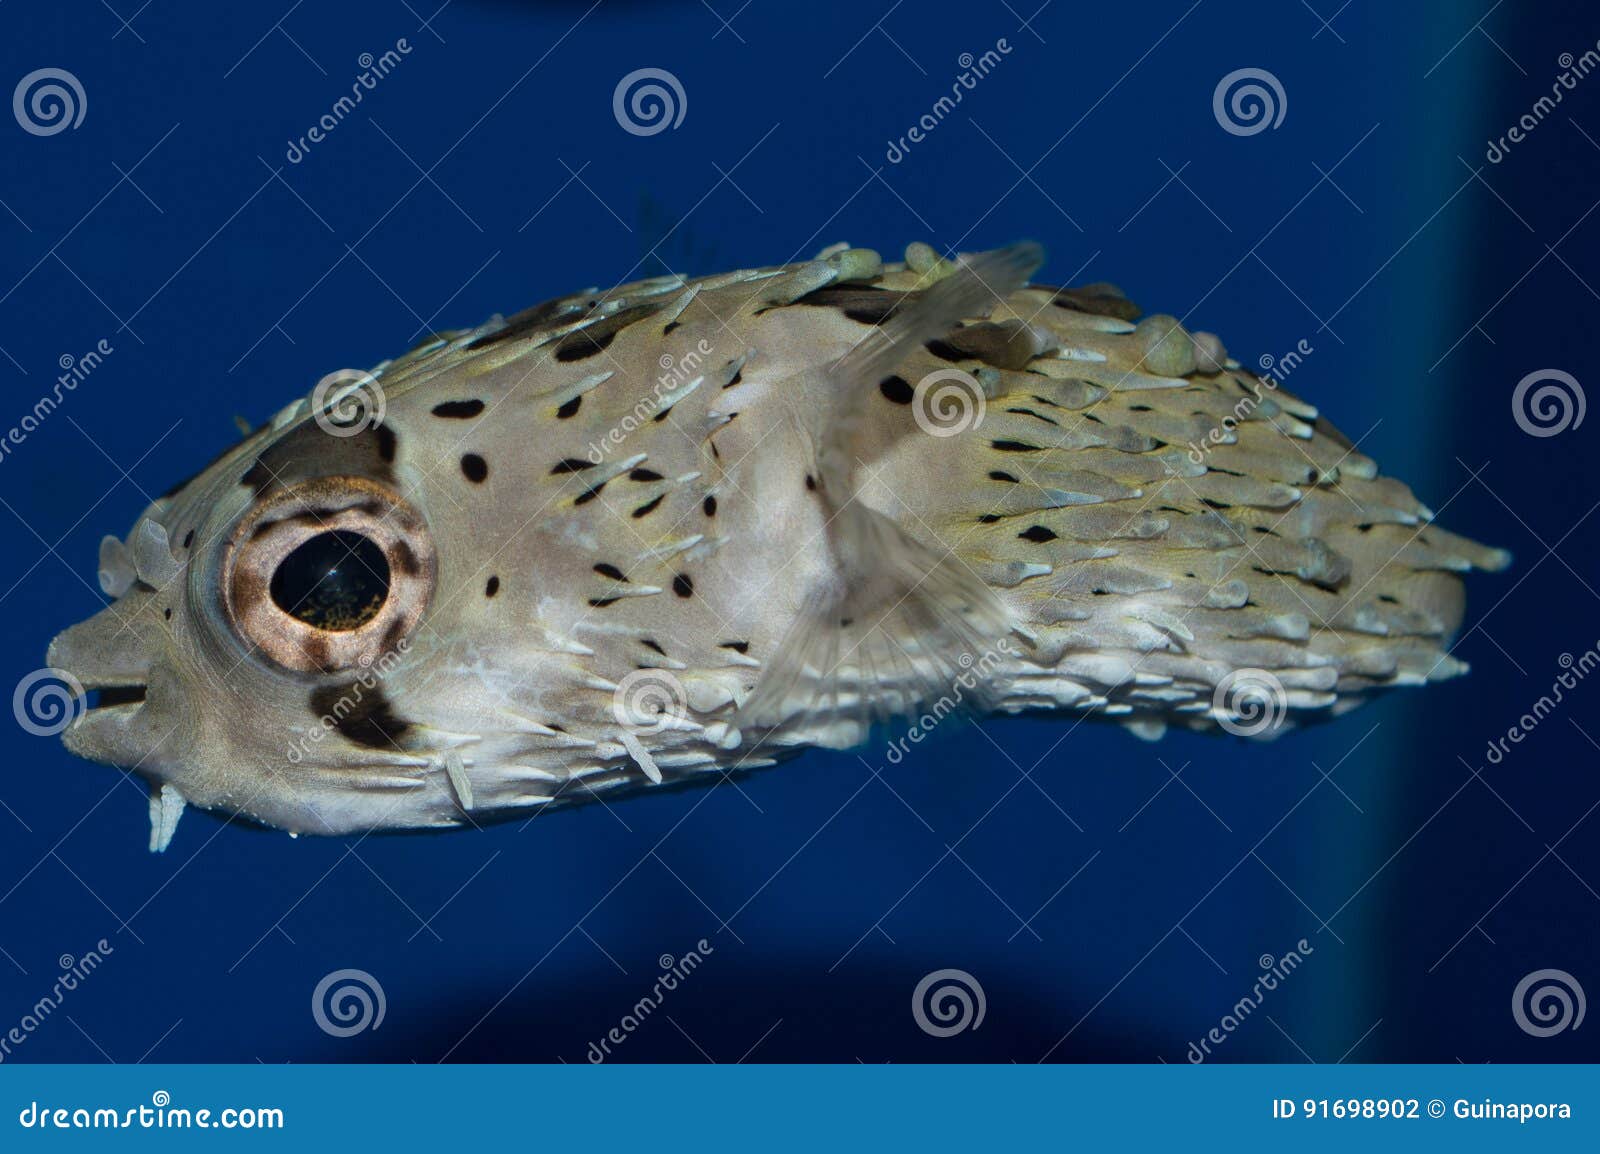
(686, 527)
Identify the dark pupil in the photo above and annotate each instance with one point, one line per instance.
(335, 581)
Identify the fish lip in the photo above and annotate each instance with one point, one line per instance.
(87, 679)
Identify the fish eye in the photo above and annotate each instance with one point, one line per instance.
(335, 581)
(328, 574)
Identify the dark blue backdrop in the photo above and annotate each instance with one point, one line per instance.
(1107, 910)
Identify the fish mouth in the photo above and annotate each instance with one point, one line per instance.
(108, 697)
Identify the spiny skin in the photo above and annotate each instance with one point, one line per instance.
(623, 482)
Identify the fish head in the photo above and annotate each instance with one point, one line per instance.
(266, 618)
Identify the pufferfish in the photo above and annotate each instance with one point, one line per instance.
(655, 535)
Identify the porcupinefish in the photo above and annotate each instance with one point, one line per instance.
(655, 535)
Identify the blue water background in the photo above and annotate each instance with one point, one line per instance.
(1109, 910)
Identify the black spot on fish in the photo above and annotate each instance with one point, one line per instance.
(649, 507)
(652, 644)
(862, 304)
(571, 465)
(1014, 447)
(589, 494)
(474, 468)
(738, 378)
(598, 335)
(683, 585)
(811, 483)
(896, 389)
(1097, 300)
(530, 321)
(491, 586)
(458, 410)
(387, 442)
(709, 505)
(582, 344)
(167, 613)
(666, 329)
(606, 569)
(988, 518)
(362, 715)
(736, 646)
(1000, 475)
(602, 602)
(570, 408)
(188, 538)
(945, 351)
(1038, 534)
(257, 477)
(405, 559)
(643, 474)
